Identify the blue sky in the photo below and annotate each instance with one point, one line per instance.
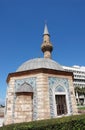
(21, 28)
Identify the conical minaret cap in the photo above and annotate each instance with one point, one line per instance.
(46, 30)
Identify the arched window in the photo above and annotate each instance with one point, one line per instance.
(60, 100)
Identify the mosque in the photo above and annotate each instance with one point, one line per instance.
(39, 89)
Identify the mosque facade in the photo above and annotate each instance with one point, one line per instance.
(39, 89)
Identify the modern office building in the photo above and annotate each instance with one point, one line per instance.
(79, 82)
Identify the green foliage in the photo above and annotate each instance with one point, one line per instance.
(80, 90)
(76, 122)
(81, 108)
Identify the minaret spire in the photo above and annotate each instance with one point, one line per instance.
(46, 30)
(46, 45)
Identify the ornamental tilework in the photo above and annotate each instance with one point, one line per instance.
(52, 114)
(32, 82)
(55, 82)
(58, 81)
(59, 89)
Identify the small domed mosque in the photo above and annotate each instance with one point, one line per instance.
(39, 89)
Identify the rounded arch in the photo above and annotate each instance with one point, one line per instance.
(60, 89)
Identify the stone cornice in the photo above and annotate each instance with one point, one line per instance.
(36, 71)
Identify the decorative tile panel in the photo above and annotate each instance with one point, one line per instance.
(25, 87)
(51, 102)
(31, 81)
(54, 83)
(59, 89)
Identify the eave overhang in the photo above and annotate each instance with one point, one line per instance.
(36, 71)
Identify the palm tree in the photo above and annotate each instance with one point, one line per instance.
(80, 91)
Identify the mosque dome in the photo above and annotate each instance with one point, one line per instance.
(38, 63)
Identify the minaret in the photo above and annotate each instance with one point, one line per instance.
(46, 46)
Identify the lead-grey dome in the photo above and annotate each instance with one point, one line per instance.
(39, 63)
